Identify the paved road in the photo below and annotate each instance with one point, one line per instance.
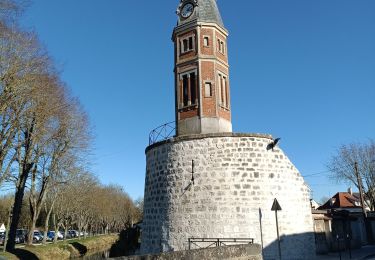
(365, 253)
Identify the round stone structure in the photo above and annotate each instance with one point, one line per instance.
(236, 179)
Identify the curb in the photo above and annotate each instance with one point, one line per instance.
(367, 257)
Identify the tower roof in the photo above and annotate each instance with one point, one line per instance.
(206, 11)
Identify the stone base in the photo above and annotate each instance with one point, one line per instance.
(239, 252)
(204, 125)
(236, 180)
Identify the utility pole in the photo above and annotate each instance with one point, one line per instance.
(360, 189)
(367, 223)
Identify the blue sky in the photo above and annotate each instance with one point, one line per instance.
(300, 70)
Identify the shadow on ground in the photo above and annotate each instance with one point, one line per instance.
(81, 248)
(24, 254)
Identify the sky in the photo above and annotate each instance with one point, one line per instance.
(301, 70)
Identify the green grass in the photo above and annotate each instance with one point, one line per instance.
(8, 256)
(63, 249)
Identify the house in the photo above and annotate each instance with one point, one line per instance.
(343, 201)
(314, 204)
(339, 222)
(2, 228)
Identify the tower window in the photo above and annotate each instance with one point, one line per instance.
(206, 41)
(207, 89)
(187, 44)
(189, 89)
(185, 82)
(221, 46)
(223, 91)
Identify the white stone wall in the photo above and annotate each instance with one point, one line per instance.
(235, 178)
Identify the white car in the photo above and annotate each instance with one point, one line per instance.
(37, 236)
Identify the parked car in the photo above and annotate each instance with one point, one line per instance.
(73, 233)
(22, 235)
(2, 239)
(37, 236)
(51, 235)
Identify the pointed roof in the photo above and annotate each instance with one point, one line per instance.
(342, 200)
(206, 11)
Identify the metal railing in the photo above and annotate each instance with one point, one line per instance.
(162, 133)
(216, 242)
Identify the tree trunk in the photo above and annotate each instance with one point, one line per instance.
(18, 199)
(56, 226)
(30, 235)
(65, 229)
(24, 170)
(46, 224)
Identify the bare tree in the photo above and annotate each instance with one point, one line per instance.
(61, 153)
(11, 9)
(342, 168)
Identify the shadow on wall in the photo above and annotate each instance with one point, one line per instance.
(80, 248)
(293, 247)
(128, 243)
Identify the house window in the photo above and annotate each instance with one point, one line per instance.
(206, 41)
(187, 44)
(223, 90)
(221, 46)
(188, 89)
(207, 89)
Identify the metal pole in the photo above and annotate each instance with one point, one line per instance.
(278, 236)
(368, 229)
(360, 189)
(338, 244)
(350, 249)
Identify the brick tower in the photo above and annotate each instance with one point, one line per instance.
(201, 69)
(207, 182)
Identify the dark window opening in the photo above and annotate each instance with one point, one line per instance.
(190, 43)
(185, 93)
(193, 88)
(206, 41)
(187, 44)
(189, 95)
(207, 89)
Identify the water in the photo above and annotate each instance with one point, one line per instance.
(97, 256)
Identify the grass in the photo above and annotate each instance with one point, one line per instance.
(8, 256)
(64, 249)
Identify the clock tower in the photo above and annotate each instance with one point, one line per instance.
(202, 89)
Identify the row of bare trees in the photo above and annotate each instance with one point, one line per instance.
(82, 203)
(45, 140)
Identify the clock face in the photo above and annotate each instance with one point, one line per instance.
(187, 10)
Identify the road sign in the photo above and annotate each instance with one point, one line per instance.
(276, 207)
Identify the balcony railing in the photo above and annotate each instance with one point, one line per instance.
(162, 133)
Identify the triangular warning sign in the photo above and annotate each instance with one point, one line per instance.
(276, 206)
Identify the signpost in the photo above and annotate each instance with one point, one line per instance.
(276, 207)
